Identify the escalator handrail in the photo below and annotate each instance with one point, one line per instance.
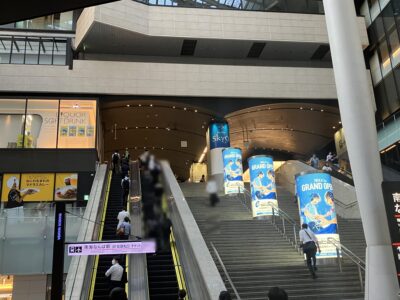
(180, 276)
(96, 262)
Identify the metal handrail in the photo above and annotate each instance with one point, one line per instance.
(225, 271)
(341, 249)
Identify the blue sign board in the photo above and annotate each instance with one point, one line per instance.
(233, 170)
(262, 183)
(219, 135)
(317, 209)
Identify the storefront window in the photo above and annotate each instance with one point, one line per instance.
(48, 123)
(77, 124)
(12, 119)
(41, 124)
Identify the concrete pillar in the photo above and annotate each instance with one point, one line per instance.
(357, 115)
(217, 140)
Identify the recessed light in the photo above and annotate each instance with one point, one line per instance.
(137, 127)
(156, 127)
(147, 127)
(301, 107)
(173, 107)
(128, 105)
(269, 108)
(140, 105)
(202, 126)
(168, 129)
(162, 148)
(195, 110)
(322, 110)
(311, 108)
(333, 127)
(340, 122)
(151, 105)
(126, 127)
(184, 108)
(153, 148)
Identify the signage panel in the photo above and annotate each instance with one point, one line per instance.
(317, 209)
(37, 186)
(233, 170)
(262, 183)
(219, 135)
(391, 195)
(120, 247)
(66, 187)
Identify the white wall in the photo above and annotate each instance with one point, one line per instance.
(209, 23)
(163, 79)
(32, 287)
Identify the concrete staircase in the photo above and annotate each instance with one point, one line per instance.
(257, 257)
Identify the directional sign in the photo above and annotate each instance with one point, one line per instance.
(104, 248)
(391, 195)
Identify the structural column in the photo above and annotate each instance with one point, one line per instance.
(357, 114)
(217, 140)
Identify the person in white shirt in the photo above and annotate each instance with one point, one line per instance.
(115, 273)
(309, 243)
(121, 217)
(326, 168)
(212, 190)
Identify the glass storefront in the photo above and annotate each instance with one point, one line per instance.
(59, 21)
(48, 123)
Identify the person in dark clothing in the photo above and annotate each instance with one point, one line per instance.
(124, 168)
(276, 293)
(118, 293)
(181, 294)
(115, 158)
(125, 185)
(224, 295)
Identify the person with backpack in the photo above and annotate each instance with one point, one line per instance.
(125, 184)
(115, 158)
(309, 243)
(124, 229)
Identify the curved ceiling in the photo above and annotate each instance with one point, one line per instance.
(158, 126)
(293, 128)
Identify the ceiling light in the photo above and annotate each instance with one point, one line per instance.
(269, 108)
(168, 129)
(126, 127)
(202, 126)
(153, 148)
(75, 106)
(322, 110)
(195, 110)
(311, 108)
(137, 127)
(147, 127)
(156, 127)
(162, 148)
(173, 107)
(184, 108)
(301, 107)
(340, 122)
(203, 155)
(128, 105)
(333, 127)
(151, 105)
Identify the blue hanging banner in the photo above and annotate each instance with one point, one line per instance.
(219, 135)
(233, 170)
(317, 209)
(262, 183)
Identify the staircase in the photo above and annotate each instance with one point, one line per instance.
(101, 289)
(257, 257)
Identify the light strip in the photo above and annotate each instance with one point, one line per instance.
(395, 54)
(387, 149)
(203, 155)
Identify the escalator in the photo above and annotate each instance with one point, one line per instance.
(101, 287)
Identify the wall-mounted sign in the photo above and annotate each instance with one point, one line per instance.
(99, 248)
(317, 209)
(262, 183)
(37, 186)
(391, 195)
(219, 135)
(66, 186)
(233, 170)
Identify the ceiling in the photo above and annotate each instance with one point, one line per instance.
(297, 129)
(160, 125)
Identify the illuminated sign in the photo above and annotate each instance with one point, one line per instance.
(219, 135)
(120, 247)
(391, 195)
(233, 170)
(317, 209)
(262, 184)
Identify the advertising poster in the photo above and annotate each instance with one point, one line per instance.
(89, 130)
(317, 209)
(63, 130)
(262, 183)
(66, 187)
(233, 170)
(81, 130)
(219, 135)
(37, 186)
(72, 130)
(8, 181)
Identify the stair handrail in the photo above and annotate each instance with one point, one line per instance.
(341, 249)
(225, 271)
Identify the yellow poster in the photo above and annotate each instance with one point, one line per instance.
(8, 181)
(66, 187)
(37, 186)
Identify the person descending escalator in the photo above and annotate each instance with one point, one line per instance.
(125, 184)
(115, 158)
